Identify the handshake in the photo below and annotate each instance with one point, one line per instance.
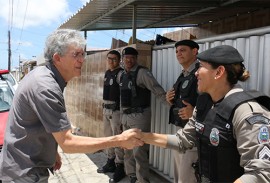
(131, 138)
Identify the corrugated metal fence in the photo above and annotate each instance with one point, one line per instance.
(254, 46)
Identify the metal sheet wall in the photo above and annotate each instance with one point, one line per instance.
(254, 46)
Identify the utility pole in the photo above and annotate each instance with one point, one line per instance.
(20, 70)
(9, 51)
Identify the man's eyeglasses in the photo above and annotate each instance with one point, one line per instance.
(79, 55)
(112, 59)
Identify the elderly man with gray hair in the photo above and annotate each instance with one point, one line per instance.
(38, 120)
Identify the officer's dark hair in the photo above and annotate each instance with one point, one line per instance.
(115, 52)
(129, 51)
(235, 72)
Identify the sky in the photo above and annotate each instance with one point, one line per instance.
(31, 21)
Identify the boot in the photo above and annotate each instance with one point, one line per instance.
(133, 179)
(108, 167)
(119, 172)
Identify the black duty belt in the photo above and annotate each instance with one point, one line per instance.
(113, 107)
(134, 110)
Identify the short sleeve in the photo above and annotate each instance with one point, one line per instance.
(50, 108)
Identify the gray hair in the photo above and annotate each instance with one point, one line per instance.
(60, 40)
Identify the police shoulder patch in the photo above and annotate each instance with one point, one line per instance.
(111, 81)
(214, 137)
(264, 153)
(258, 118)
(185, 84)
(263, 136)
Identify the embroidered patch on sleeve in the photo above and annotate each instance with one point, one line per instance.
(264, 153)
(263, 136)
(258, 118)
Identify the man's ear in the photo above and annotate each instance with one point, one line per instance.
(195, 51)
(56, 58)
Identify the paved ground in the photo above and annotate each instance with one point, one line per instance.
(82, 168)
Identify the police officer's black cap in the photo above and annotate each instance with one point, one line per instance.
(129, 51)
(223, 54)
(187, 42)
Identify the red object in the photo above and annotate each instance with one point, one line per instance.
(4, 71)
(3, 122)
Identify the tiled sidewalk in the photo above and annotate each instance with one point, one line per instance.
(82, 168)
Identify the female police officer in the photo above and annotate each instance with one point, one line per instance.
(230, 127)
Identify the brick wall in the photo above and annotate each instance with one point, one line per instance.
(83, 95)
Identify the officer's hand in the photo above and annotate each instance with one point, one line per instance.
(131, 138)
(237, 181)
(170, 96)
(58, 162)
(186, 112)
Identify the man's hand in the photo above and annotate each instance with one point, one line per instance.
(58, 162)
(186, 112)
(170, 96)
(131, 138)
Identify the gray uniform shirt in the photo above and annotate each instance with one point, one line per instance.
(190, 69)
(37, 111)
(247, 130)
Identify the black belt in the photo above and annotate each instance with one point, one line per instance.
(134, 110)
(113, 107)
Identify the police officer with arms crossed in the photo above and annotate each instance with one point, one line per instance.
(137, 83)
(182, 99)
(231, 127)
(38, 120)
(111, 116)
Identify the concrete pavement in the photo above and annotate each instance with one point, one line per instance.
(82, 168)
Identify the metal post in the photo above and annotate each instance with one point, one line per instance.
(85, 37)
(134, 24)
(9, 52)
(19, 68)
